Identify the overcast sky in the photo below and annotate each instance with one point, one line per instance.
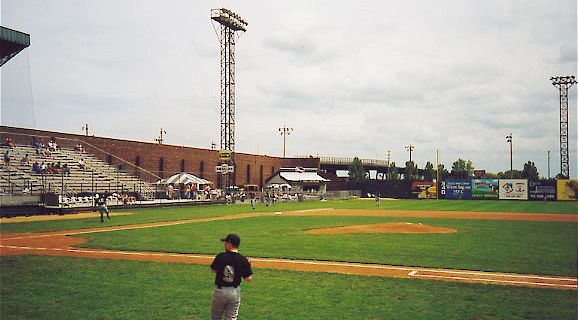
(352, 78)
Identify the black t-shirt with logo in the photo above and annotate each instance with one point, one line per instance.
(101, 201)
(230, 267)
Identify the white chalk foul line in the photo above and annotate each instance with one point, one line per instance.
(498, 281)
(413, 272)
(492, 274)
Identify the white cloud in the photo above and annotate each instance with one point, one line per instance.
(352, 78)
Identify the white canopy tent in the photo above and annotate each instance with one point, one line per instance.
(184, 178)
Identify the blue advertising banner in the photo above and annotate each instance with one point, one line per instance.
(456, 189)
(542, 190)
(485, 188)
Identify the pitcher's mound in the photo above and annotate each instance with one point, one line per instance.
(391, 227)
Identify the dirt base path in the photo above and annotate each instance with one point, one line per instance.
(61, 243)
(68, 216)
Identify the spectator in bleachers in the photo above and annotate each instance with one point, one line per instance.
(52, 144)
(26, 191)
(39, 146)
(58, 167)
(25, 159)
(66, 169)
(50, 169)
(79, 148)
(44, 168)
(81, 164)
(9, 143)
(7, 157)
(36, 168)
(46, 152)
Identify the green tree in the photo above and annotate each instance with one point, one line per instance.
(411, 171)
(429, 174)
(392, 172)
(530, 171)
(444, 173)
(356, 171)
(490, 175)
(514, 174)
(462, 169)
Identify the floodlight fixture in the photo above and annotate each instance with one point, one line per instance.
(229, 19)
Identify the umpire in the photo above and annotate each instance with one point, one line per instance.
(230, 267)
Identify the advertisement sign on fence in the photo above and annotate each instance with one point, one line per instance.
(567, 189)
(456, 189)
(423, 190)
(542, 190)
(513, 189)
(485, 188)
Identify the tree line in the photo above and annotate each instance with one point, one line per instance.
(461, 169)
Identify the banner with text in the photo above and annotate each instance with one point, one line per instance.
(513, 189)
(567, 189)
(542, 190)
(485, 188)
(456, 189)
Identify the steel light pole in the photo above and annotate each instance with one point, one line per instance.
(509, 140)
(410, 148)
(285, 131)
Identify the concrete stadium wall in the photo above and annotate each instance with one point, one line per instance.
(151, 161)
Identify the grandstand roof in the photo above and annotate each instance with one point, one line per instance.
(11, 43)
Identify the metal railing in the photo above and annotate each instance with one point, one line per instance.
(348, 161)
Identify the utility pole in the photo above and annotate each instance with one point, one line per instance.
(388, 157)
(285, 131)
(160, 138)
(563, 84)
(437, 173)
(410, 148)
(509, 140)
(548, 164)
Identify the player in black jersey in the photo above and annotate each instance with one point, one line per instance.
(229, 268)
(101, 204)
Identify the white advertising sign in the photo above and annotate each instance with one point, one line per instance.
(225, 169)
(513, 189)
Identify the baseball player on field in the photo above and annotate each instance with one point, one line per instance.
(101, 203)
(229, 267)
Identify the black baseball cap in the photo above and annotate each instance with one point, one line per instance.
(233, 239)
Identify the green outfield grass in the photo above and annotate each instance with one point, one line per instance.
(178, 213)
(36, 287)
(506, 246)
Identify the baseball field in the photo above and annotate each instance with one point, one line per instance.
(347, 259)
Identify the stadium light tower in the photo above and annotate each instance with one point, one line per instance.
(285, 131)
(229, 23)
(563, 84)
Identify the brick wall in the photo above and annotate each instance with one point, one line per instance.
(150, 161)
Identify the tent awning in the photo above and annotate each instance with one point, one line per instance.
(185, 178)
